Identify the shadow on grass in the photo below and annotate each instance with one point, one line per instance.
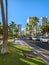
(16, 57)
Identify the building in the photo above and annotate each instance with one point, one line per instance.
(23, 32)
(29, 20)
(19, 27)
(43, 20)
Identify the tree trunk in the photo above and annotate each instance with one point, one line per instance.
(4, 46)
(36, 29)
(6, 21)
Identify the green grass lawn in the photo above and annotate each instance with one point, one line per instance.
(15, 56)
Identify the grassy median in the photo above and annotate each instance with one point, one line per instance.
(15, 56)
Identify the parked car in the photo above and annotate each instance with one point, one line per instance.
(44, 39)
(30, 38)
(37, 38)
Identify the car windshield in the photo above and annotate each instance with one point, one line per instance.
(36, 37)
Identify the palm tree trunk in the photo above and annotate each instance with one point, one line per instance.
(6, 24)
(4, 46)
(6, 21)
(36, 29)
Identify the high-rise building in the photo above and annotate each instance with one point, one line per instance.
(19, 26)
(43, 20)
(29, 20)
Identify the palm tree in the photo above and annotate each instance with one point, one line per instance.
(5, 30)
(1, 29)
(6, 19)
(12, 26)
(34, 22)
(29, 28)
(45, 29)
(0, 25)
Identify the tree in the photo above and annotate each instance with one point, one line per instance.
(29, 28)
(15, 31)
(12, 26)
(34, 22)
(10, 33)
(45, 28)
(5, 27)
(1, 29)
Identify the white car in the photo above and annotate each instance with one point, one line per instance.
(44, 39)
(37, 38)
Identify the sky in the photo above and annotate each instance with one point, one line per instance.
(20, 10)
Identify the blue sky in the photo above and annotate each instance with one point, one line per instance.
(20, 10)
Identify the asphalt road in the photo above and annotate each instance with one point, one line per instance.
(38, 43)
(42, 45)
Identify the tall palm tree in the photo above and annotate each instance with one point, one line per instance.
(12, 26)
(6, 19)
(29, 28)
(0, 25)
(5, 30)
(1, 29)
(34, 22)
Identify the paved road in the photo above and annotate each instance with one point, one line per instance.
(20, 42)
(38, 43)
(42, 45)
